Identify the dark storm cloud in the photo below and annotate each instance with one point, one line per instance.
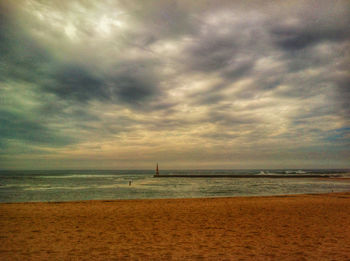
(17, 127)
(330, 25)
(76, 82)
(343, 93)
(299, 38)
(135, 81)
(211, 53)
(21, 58)
(132, 86)
(130, 89)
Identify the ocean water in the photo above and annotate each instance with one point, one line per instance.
(31, 186)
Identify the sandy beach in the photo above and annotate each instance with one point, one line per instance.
(295, 227)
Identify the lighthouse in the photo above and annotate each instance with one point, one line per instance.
(157, 171)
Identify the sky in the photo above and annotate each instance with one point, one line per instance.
(188, 84)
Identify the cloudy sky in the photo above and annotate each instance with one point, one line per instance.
(189, 84)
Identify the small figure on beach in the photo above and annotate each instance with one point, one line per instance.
(130, 181)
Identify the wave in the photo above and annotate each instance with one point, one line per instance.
(79, 176)
(57, 188)
(296, 172)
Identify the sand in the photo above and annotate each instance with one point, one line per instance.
(298, 227)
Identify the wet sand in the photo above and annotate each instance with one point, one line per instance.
(302, 227)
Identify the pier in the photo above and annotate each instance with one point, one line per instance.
(243, 176)
(262, 175)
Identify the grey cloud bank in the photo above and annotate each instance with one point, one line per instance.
(122, 84)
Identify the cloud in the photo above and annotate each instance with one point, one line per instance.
(135, 81)
(30, 131)
(343, 93)
(21, 57)
(74, 81)
(151, 79)
(311, 26)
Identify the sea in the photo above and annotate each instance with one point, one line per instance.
(77, 185)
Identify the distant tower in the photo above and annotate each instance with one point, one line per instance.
(157, 171)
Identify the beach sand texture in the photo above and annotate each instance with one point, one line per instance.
(297, 227)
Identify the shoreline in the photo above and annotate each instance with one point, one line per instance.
(180, 198)
(282, 227)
